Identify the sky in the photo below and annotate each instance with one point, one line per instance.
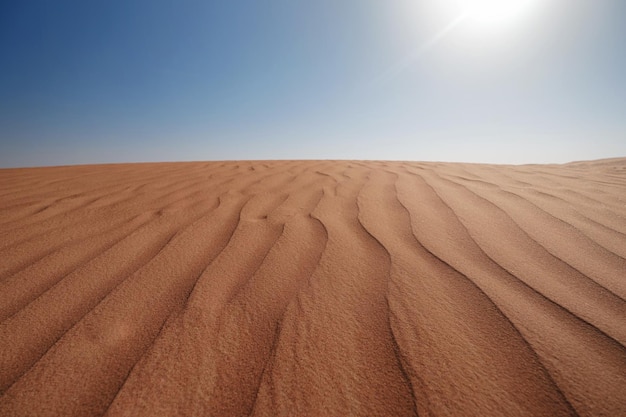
(86, 82)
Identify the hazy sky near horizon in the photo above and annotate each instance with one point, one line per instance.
(154, 80)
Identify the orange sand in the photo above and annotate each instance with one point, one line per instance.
(313, 289)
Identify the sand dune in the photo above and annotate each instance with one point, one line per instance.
(322, 288)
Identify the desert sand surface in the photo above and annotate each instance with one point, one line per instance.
(313, 288)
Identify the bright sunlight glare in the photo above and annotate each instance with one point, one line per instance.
(489, 15)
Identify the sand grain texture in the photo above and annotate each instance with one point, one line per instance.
(317, 288)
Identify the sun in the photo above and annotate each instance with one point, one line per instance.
(489, 15)
(495, 12)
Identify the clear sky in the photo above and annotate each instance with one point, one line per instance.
(153, 80)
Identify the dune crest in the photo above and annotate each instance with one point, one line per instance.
(286, 288)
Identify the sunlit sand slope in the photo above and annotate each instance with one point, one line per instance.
(313, 288)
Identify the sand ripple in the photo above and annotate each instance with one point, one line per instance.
(322, 288)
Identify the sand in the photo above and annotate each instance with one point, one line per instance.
(313, 288)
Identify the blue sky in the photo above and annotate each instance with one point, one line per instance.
(154, 80)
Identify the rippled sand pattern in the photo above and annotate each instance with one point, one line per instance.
(317, 288)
